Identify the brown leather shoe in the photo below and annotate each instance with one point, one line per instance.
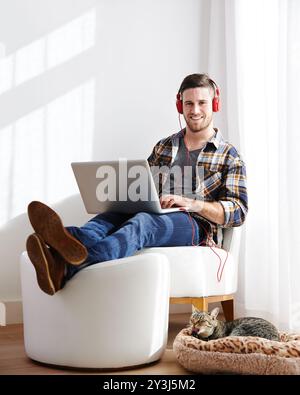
(50, 269)
(49, 226)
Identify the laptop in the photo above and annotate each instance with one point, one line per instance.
(124, 186)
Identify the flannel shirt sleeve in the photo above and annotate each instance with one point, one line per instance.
(233, 195)
(155, 156)
(152, 159)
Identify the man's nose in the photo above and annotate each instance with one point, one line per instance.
(195, 108)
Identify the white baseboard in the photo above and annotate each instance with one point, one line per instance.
(11, 312)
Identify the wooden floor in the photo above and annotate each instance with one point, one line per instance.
(13, 359)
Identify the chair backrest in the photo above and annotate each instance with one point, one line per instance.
(72, 210)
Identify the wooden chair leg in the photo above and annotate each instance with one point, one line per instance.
(200, 304)
(228, 309)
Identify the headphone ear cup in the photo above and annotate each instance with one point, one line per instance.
(216, 104)
(216, 100)
(179, 104)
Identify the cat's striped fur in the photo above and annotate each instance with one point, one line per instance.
(206, 326)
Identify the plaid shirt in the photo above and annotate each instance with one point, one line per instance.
(224, 180)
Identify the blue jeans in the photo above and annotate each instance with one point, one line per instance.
(114, 235)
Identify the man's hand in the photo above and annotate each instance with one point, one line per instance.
(213, 211)
(168, 201)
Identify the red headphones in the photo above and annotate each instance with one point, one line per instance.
(215, 100)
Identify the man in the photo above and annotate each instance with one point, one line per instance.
(57, 253)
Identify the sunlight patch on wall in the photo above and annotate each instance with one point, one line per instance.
(56, 48)
(6, 74)
(71, 40)
(36, 151)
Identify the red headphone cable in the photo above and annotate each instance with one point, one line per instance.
(186, 149)
(211, 244)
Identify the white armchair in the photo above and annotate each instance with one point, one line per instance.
(202, 275)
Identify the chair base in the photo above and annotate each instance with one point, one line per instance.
(203, 302)
(105, 370)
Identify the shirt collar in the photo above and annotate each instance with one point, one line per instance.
(216, 140)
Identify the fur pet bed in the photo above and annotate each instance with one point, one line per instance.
(239, 354)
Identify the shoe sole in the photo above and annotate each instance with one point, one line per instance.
(49, 226)
(39, 259)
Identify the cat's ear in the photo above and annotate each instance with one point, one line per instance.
(214, 313)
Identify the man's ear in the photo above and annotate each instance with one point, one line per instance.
(214, 313)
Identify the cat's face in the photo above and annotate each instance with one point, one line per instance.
(203, 324)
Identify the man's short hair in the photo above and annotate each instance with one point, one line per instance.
(197, 81)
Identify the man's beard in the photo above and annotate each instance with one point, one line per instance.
(203, 125)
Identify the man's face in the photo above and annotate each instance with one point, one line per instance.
(197, 108)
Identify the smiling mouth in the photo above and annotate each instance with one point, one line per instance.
(196, 119)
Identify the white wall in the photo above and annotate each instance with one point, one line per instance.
(81, 80)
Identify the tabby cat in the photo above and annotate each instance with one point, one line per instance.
(206, 326)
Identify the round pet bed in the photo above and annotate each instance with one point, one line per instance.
(239, 354)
